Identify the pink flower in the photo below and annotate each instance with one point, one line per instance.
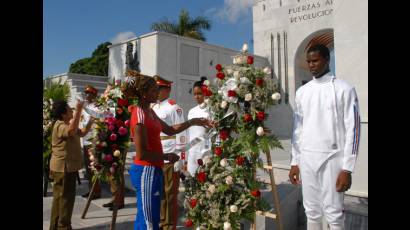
(118, 82)
(122, 131)
(113, 137)
(112, 170)
(111, 127)
(127, 123)
(110, 120)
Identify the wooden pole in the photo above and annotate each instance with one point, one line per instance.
(278, 218)
(89, 199)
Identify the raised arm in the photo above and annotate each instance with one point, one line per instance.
(174, 129)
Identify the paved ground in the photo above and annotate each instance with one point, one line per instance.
(99, 218)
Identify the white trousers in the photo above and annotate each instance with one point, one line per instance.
(319, 190)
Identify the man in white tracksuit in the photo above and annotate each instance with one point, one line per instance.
(325, 141)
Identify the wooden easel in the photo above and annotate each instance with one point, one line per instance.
(276, 216)
(114, 210)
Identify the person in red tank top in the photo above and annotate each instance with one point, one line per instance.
(146, 173)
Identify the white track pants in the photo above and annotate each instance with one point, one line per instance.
(319, 190)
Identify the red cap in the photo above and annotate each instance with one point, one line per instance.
(161, 81)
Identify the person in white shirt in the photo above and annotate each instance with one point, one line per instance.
(203, 147)
(86, 119)
(171, 113)
(325, 141)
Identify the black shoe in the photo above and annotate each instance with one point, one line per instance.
(107, 205)
(119, 207)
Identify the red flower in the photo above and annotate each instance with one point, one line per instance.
(200, 162)
(247, 117)
(224, 134)
(256, 193)
(218, 151)
(259, 82)
(220, 75)
(231, 93)
(193, 203)
(250, 60)
(205, 91)
(119, 110)
(122, 102)
(260, 115)
(99, 146)
(239, 160)
(98, 167)
(119, 123)
(114, 147)
(188, 223)
(218, 67)
(201, 177)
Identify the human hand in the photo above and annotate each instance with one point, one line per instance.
(202, 122)
(294, 174)
(344, 181)
(79, 105)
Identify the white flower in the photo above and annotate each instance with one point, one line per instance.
(267, 70)
(245, 80)
(224, 104)
(206, 82)
(233, 208)
(211, 188)
(223, 162)
(260, 131)
(104, 144)
(236, 75)
(220, 92)
(91, 158)
(181, 189)
(229, 71)
(248, 97)
(276, 96)
(227, 226)
(245, 47)
(117, 153)
(206, 101)
(92, 163)
(206, 159)
(229, 180)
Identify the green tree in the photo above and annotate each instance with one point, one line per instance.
(97, 64)
(186, 26)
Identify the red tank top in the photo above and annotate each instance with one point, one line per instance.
(153, 127)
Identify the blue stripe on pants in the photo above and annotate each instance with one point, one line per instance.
(148, 182)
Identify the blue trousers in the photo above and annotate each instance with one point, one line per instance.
(148, 182)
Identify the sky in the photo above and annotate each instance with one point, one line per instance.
(72, 29)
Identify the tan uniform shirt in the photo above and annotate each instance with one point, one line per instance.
(66, 153)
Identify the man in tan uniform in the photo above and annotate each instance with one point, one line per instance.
(66, 160)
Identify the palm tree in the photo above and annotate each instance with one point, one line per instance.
(186, 26)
